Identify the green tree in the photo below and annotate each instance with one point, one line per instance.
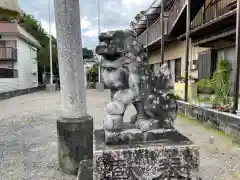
(93, 74)
(222, 83)
(87, 53)
(33, 27)
(139, 15)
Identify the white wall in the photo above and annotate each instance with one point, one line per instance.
(156, 68)
(28, 36)
(26, 65)
(8, 84)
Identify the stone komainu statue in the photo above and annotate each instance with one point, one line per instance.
(125, 71)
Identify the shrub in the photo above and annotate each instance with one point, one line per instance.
(205, 85)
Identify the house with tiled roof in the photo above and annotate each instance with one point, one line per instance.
(18, 58)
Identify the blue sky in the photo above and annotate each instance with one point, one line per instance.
(114, 14)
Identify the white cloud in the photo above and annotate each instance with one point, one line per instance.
(134, 3)
(91, 33)
(85, 23)
(133, 7)
(113, 13)
(45, 25)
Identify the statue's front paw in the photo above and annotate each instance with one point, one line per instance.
(112, 137)
(144, 125)
(113, 123)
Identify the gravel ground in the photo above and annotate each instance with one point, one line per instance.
(28, 139)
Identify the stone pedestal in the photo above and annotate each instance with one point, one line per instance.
(100, 86)
(85, 171)
(51, 87)
(166, 157)
(74, 142)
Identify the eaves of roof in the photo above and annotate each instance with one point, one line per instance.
(13, 29)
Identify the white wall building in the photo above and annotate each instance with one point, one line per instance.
(18, 58)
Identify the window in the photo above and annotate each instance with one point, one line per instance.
(206, 64)
(175, 66)
(156, 68)
(152, 67)
(178, 69)
(193, 65)
(8, 73)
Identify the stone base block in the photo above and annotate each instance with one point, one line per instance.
(100, 86)
(129, 134)
(74, 142)
(85, 171)
(51, 87)
(174, 158)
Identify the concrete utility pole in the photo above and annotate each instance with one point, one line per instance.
(50, 87)
(162, 32)
(99, 85)
(187, 49)
(99, 30)
(74, 127)
(50, 41)
(237, 52)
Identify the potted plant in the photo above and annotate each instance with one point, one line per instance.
(221, 82)
(181, 79)
(223, 108)
(205, 86)
(191, 79)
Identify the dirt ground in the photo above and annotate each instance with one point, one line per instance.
(28, 139)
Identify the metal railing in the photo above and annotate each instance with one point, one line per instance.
(8, 53)
(153, 32)
(212, 10)
(174, 13)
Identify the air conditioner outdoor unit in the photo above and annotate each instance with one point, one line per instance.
(194, 67)
(34, 71)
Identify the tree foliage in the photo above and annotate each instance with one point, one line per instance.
(87, 53)
(33, 27)
(139, 15)
(93, 70)
(92, 74)
(222, 83)
(137, 18)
